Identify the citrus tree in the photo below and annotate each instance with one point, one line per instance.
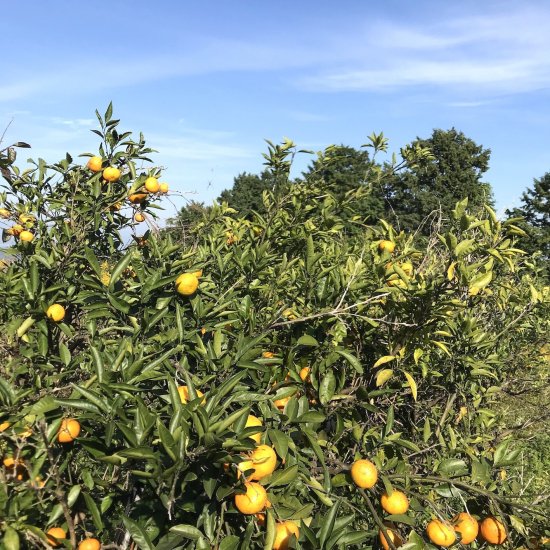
(272, 384)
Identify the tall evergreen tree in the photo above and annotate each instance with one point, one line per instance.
(246, 193)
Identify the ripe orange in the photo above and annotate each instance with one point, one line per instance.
(408, 268)
(89, 544)
(268, 355)
(115, 207)
(364, 473)
(68, 431)
(260, 518)
(26, 218)
(305, 374)
(26, 236)
(163, 188)
(56, 312)
(467, 526)
(16, 229)
(152, 185)
(281, 403)
(441, 533)
(392, 535)
(4, 426)
(15, 463)
(111, 174)
(386, 246)
(262, 460)
(396, 503)
(95, 164)
(254, 421)
(139, 217)
(253, 501)
(493, 531)
(184, 394)
(187, 284)
(54, 535)
(137, 198)
(283, 533)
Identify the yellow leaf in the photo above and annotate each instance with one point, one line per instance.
(417, 354)
(442, 346)
(383, 376)
(479, 283)
(382, 360)
(412, 385)
(451, 271)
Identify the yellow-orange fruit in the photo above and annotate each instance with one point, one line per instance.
(111, 174)
(262, 460)
(281, 403)
(54, 535)
(95, 164)
(152, 185)
(4, 426)
(493, 531)
(392, 535)
(4, 213)
(396, 503)
(137, 198)
(305, 374)
(253, 501)
(254, 421)
(56, 312)
(386, 246)
(163, 188)
(441, 533)
(89, 544)
(16, 229)
(69, 430)
(26, 236)
(283, 534)
(184, 395)
(139, 217)
(364, 473)
(467, 526)
(187, 284)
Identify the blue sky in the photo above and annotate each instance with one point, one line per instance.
(207, 81)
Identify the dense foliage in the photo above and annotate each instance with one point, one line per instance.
(408, 350)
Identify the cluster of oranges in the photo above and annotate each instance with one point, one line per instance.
(22, 226)
(56, 535)
(112, 174)
(443, 533)
(188, 283)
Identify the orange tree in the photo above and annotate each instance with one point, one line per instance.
(216, 394)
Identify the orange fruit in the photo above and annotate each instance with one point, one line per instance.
(26, 236)
(364, 473)
(260, 518)
(493, 531)
(407, 268)
(187, 284)
(184, 394)
(115, 207)
(305, 374)
(137, 198)
(198, 274)
(4, 426)
(16, 229)
(152, 185)
(467, 526)
(392, 535)
(111, 174)
(163, 188)
(396, 503)
(54, 535)
(253, 501)
(262, 460)
(283, 533)
(441, 533)
(386, 246)
(268, 355)
(56, 312)
(68, 431)
(254, 421)
(95, 164)
(139, 217)
(10, 462)
(89, 544)
(26, 218)
(4, 213)
(281, 403)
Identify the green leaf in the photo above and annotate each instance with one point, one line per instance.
(452, 467)
(188, 531)
(138, 534)
(11, 539)
(307, 341)
(328, 524)
(118, 269)
(283, 477)
(351, 359)
(94, 511)
(311, 416)
(327, 387)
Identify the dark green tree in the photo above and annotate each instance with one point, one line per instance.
(191, 214)
(246, 193)
(535, 210)
(416, 195)
(345, 170)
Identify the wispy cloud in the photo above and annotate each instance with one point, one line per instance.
(486, 53)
